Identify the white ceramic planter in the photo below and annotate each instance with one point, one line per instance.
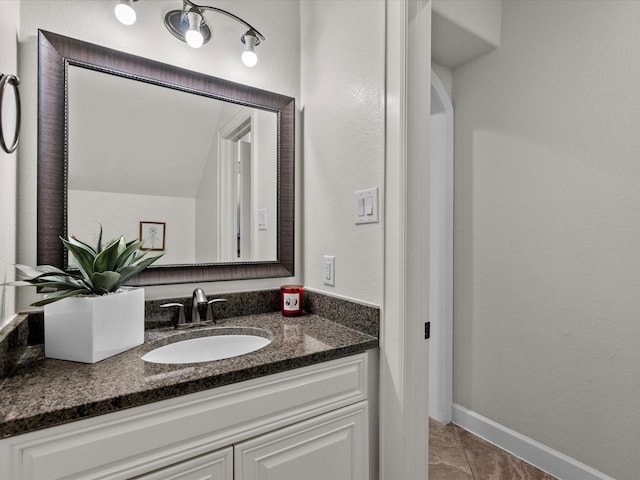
(90, 329)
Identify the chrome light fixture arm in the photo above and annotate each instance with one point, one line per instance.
(192, 5)
(188, 26)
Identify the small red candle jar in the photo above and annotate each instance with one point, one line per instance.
(291, 300)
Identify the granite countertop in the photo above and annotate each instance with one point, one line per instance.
(42, 392)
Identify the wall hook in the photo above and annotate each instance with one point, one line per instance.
(14, 82)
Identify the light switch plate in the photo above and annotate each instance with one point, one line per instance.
(366, 206)
(329, 270)
(262, 219)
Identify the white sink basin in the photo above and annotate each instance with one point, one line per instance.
(206, 349)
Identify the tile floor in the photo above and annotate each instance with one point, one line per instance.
(456, 454)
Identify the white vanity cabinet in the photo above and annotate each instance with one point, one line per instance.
(216, 465)
(331, 446)
(310, 422)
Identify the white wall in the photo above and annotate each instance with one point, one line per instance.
(343, 54)
(547, 230)
(9, 21)
(207, 206)
(464, 29)
(446, 77)
(278, 70)
(264, 177)
(88, 210)
(479, 17)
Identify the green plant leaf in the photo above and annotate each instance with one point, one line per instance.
(59, 283)
(128, 255)
(105, 282)
(85, 245)
(102, 270)
(146, 261)
(107, 258)
(54, 297)
(131, 270)
(99, 244)
(28, 272)
(138, 255)
(122, 246)
(83, 253)
(17, 283)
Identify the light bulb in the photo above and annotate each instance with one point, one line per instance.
(125, 13)
(194, 37)
(249, 58)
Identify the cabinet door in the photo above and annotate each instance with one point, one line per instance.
(216, 465)
(331, 446)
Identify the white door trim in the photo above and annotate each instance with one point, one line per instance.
(441, 258)
(404, 352)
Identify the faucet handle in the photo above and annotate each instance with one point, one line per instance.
(181, 318)
(210, 307)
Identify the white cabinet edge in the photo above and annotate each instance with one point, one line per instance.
(212, 466)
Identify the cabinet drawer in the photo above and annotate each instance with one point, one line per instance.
(331, 446)
(217, 465)
(142, 439)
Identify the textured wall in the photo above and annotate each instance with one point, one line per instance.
(547, 249)
(278, 70)
(343, 127)
(462, 30)
(121, 214)
(479, 17)
(9, 20)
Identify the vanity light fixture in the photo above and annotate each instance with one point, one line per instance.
(125, 12)
(188, 25)
(250, 40)
(193, 36)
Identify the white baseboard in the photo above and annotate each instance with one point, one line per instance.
(535, 453)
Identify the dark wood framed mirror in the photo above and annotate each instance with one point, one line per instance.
(56, 55)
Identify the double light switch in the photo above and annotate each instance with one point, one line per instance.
(367, 206)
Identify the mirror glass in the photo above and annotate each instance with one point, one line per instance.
(196, 166)
(194, 176)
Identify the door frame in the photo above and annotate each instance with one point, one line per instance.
(227, 189)
(404, 352)
(441, 257)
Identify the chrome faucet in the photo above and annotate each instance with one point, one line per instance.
(198, 298)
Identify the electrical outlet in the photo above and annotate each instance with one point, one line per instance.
(329, 271)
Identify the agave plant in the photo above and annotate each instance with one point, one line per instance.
(102, 270)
